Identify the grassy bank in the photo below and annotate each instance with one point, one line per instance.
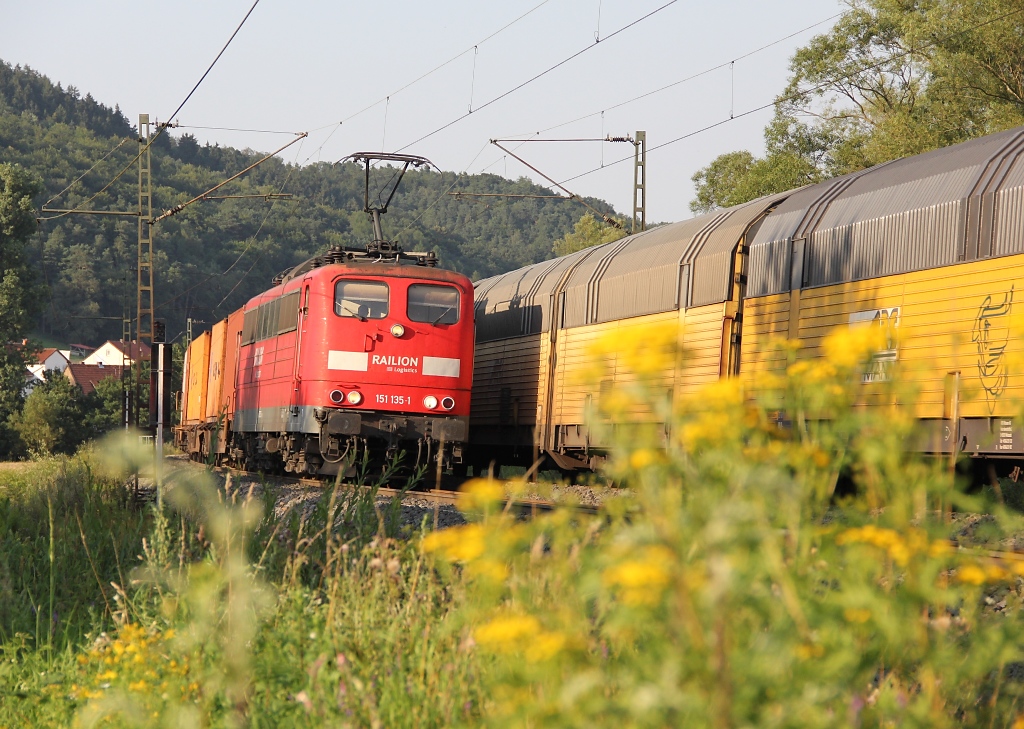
(732, 587)
(215, 612)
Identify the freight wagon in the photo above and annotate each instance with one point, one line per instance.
(931, 245)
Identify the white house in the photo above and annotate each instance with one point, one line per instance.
(48, 359)
(115, 353)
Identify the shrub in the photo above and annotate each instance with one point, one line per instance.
(732, 589)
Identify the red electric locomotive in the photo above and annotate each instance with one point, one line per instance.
(354, 353)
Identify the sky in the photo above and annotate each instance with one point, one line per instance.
(350, 75)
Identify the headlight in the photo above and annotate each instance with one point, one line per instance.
(447, 403)
(430, 402)
(337, 397)
(397, 330)
(354, 398)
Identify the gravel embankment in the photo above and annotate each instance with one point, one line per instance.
(290, 495)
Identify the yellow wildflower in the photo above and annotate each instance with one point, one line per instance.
(900, 547)
(480, 493)
(488, 569)
(642, 458)
(504, 634)
(807, 651)
(107, 676)
(995, 573)
(848, 347)
(458, 544)
(971, 574)
(545, 646)
(640, 349)
(138, 686)
(857, 615)
(641, 580)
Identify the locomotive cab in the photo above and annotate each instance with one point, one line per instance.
(356, 356)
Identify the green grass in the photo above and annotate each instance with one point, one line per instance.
(49, 341)
(235, 617)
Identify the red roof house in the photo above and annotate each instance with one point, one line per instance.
(86, 376)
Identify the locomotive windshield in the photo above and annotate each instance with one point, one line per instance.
(361, 299)
(434, 304)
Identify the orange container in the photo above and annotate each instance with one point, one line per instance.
(226, 399)
(197, 357)
(215, 376)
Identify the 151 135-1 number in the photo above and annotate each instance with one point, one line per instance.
(394, 400)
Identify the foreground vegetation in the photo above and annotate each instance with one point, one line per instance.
(730, 587)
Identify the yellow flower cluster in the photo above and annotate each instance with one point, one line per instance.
(136, 658)
(981, 573)
(643, 350)
(900, 547)
(849, 347)
(641, 458)
(519, 634)
(457, 544)
(479, 494)
(718, 409)
(812, 372)
(642, 579)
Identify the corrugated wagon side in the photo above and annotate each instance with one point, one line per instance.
(930, 247)
(537, 329)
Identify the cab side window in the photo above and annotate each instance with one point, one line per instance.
(361, 299)
(434, 304)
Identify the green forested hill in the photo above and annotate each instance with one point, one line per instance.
(215, 255)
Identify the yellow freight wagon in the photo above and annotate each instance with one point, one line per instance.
(536, 328)
(932, 246)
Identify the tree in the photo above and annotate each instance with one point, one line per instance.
(892, 78)
(737, 177)
(588, 231)
(18, 296)
(53, 418)
(104, 407)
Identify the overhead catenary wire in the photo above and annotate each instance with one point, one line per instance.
(249, 245)
(572, 196)
(162, 127)
(687, 79)
(177, 125)
(801, 93)
(434, 70)
(423, 212)
(538, 76)
(178, 208)
(94, 166)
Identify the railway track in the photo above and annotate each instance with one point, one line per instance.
(441, 497)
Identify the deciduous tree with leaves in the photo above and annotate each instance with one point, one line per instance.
(19, 296)
(588, 231)
(892, 78)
